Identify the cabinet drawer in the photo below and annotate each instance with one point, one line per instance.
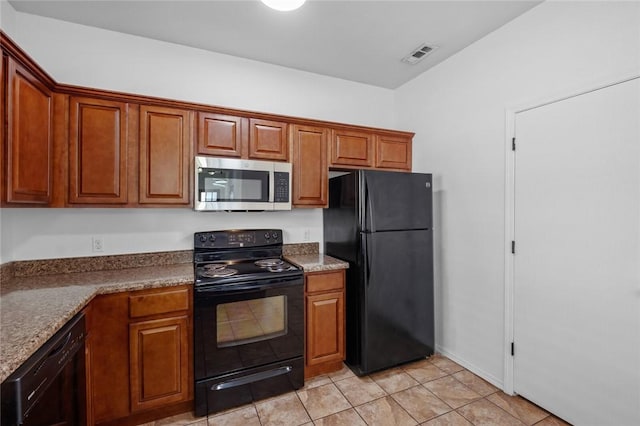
(158, 303)
(325, 281)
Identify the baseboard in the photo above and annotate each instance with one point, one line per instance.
(471, 367)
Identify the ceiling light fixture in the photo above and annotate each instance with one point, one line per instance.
(283, 5)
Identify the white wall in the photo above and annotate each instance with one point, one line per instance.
(85, 56)
(7, 17)
(457, 110)
(54, 233)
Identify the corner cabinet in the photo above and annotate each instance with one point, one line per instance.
(29, 137)
(310, 168)
(140, 355)
(325, 322)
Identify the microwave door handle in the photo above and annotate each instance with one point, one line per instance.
(272, 184)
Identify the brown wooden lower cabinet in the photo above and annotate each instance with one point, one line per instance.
(325, 322)
(139, 361)
(159, 363)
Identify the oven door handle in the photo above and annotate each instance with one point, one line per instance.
(231, 288)
(252, 378)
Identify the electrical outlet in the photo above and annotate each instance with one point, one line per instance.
(307, 235)
(97, 244)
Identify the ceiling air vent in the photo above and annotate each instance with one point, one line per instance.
(419, 54)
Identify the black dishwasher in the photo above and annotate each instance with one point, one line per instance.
(49, 388)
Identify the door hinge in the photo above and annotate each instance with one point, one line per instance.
(513, 350)
(513, 144)
(513, 247)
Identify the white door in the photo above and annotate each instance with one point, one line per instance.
(577, 258)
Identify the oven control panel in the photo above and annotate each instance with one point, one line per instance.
(237, 238)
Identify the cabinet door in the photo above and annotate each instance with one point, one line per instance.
(98, 143)
(310, 169)
(29, 137)
(268, 140)
(220, 134)
(325, 328)
(351, 148)
(393, 152)
(159, 362)
(108, 372)
(165, 155)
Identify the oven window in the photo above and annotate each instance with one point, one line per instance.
(249, 321)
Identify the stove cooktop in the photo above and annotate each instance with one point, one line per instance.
(233, 271)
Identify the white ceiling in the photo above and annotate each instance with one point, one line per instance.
(356, 40)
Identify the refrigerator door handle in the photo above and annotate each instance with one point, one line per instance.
(366, 206)
(372, 226)
(367, 264)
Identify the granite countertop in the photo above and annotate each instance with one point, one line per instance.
(316, 262)
(38, 297)
(34, 308)
(308, 257)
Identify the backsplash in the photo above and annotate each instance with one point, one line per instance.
(25, 268)
(301, 248)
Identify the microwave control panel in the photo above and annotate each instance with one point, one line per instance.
(281, 184)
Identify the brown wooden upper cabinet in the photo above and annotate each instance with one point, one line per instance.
(268, 140)
(165, 155)
(29, 149)
(393, 152)
(119, 152)
(75, 146)
(233, 136)
(354, 149)
(98, 151)
(351, 148)
(310, 168)
(221, 135)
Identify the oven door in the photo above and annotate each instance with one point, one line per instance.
(247, 325)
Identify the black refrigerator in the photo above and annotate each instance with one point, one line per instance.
(381, 223)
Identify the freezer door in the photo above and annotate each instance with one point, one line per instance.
(397, 298)
(391, 201)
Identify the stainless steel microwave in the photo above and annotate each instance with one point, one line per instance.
(241, 185)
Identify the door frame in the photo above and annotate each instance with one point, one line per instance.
(511, 113)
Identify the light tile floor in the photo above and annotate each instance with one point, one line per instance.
(432, 392)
